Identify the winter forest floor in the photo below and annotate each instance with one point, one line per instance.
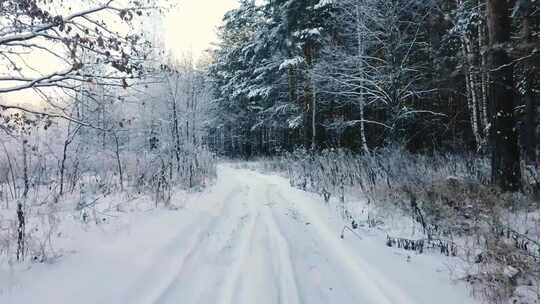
(250, 238)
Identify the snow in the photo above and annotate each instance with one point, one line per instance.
(322, 4)
(250, 238)
(291, 62)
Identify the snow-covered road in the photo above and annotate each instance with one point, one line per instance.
(250, 239)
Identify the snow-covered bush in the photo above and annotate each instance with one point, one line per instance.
(194, 169)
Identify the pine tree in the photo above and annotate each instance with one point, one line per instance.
(506, 172)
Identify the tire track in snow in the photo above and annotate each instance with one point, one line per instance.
(230, 285)
(371, 283)
(171, 259)
(200, 273)
(263, 263)
(288, 289)
(288, 283)
(249, 255)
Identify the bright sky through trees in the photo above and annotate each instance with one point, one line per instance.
(191, 26)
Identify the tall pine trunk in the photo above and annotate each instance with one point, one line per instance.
(506, 172)
(310, 99)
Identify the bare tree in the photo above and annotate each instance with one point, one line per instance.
(72, 131)
(44, 53)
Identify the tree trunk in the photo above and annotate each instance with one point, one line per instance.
(310, 102)
(482, 43)
(176, 125)
(506, 172)
(119, 162)
(361, 102)
(14, 192)
(70, 137)
(63, 166)
(25, 167)
(530, 126)
(313, 114)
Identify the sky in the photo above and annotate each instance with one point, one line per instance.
(191, 26)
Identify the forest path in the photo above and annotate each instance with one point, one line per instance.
(249, 239)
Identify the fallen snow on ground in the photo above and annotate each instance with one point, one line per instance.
(251, 238)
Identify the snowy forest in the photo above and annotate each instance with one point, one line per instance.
(318, 151)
